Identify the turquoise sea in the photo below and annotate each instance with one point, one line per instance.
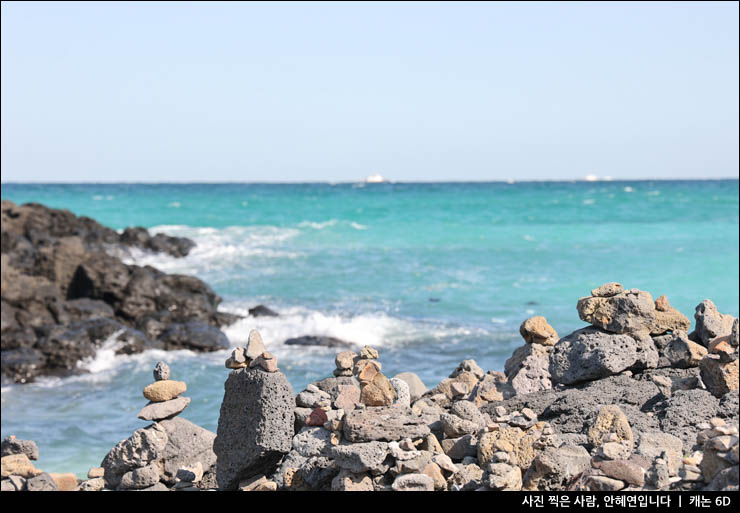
(429, 274)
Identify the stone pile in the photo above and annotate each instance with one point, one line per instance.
(253, 355)
(256, 420)
(632, 402)
(19, 474)
(527, 370)
(165, 401)
(171, 453)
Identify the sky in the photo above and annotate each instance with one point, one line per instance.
(297, 92)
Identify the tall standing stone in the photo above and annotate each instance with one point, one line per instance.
(255, 426)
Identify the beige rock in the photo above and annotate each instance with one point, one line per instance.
(493, 387)
(366, 370)
(164, 390)
(608, 289)
(346, 481)
(684, 353)
(432, 470)
(669, 319)
(536, 330)
(368, 353)
(18, 465)
(258, 484)
(458, 388)
(65, 482)
(506, 439)
(255, 346)
(379, 392)
(611, 419)
(266, 362)
(719, 377)
(431, 444)
(630, 312)
(345, 359)
(95, 472)
(662, 304)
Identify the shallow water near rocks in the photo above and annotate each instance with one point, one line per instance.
(429, 274)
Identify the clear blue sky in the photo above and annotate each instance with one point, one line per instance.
(334, 92)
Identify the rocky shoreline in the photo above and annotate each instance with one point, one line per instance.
(632, 402)
(65, 292)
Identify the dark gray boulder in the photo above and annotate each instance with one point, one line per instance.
(187, 444)
(262, 311)
(312, 340)
(11, 445)
(194, 335)
(255, 425)
(41, 483)
(592, 353)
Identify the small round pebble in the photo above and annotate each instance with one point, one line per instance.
(161, 372)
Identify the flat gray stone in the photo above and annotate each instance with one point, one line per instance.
(164, 409)
(383, 423)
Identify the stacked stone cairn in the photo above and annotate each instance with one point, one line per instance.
(622, 404)
(633, 401)
(170, 454)
(256, 422)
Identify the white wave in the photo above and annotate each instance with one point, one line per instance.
(174, 204)
(589, 201)
(376, 329)
(218, 248)
(628, 189)
(104, 357)
(358, 226)
(317, 225)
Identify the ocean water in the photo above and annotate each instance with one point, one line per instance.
(429, 274)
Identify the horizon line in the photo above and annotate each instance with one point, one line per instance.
(509, 181)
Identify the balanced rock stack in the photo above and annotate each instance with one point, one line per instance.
(164, 396)
(254, 354)
(527, 370)
(256, 421)
(169, 452)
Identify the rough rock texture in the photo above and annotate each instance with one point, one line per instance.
(140, 449)
(719, 378)
(64, 292)
(383, 423)
(187, 445)
(528, 369)
(631, 311)
(536, 330)
(591, 353)
(710, 323)
(12, 445)
(255, 425)
(555, 468)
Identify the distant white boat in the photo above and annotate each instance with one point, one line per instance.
(375, 179)
(591, 178)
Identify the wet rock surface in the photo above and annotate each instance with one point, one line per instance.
(65, 294)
